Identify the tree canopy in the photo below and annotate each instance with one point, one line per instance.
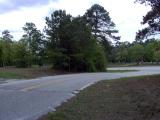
(99, 20)
(71, 44)
(102, 26)
(152, 18)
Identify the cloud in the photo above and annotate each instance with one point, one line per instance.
(10, 5)
(73, 7)
(15, 20)
(127, 16)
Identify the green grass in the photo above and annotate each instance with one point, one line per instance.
(10, 75)
(134, 98)
(132, 64)
(121, 71)
(122, 65)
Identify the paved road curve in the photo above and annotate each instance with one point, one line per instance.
(29, 99)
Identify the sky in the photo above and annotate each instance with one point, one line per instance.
(126, 14)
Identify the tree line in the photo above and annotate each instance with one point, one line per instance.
(67, 43)
(136, 52)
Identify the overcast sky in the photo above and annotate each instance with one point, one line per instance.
(15, 13)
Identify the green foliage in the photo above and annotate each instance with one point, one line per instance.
(55, 49)
(35, 43)
(122, 52)
(72, 44)
(157, 55)
(97, 17)
(6, 52)
(22, 56)
(102, 27)
(100, 59)
(69, 44)
(1, 54)
(137, 53)
(147, 51)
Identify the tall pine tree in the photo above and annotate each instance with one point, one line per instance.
(102, 27)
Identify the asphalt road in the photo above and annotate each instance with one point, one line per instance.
(29, 99)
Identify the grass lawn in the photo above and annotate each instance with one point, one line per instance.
(135, 98)
(132, 64)
(9, 75)
(27, 73)
(121, 71)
